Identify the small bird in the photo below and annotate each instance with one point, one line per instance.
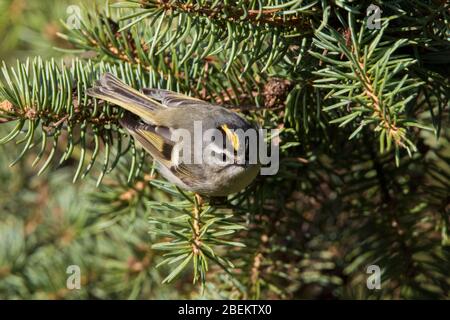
(156, 116)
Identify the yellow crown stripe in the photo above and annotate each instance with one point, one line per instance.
(232, 136)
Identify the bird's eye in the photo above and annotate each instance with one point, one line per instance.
(224, 136)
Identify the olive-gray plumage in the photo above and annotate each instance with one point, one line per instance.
(157, 116)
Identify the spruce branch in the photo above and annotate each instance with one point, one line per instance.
(117, 198)
(277, 16)
(371, 86)
(192, 232)
(243, 29)
(192, 70)
(46, 100)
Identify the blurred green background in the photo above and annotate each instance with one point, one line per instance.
(29, 28)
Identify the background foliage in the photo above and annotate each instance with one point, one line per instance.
(364, 174)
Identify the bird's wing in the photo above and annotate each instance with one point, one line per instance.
(113, 90)
(172, 99)
(184, 173)
(157, 142)
(159, 146)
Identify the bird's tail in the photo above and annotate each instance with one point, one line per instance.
(111, 89)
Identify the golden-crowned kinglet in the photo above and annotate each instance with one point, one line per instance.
(157, 116)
